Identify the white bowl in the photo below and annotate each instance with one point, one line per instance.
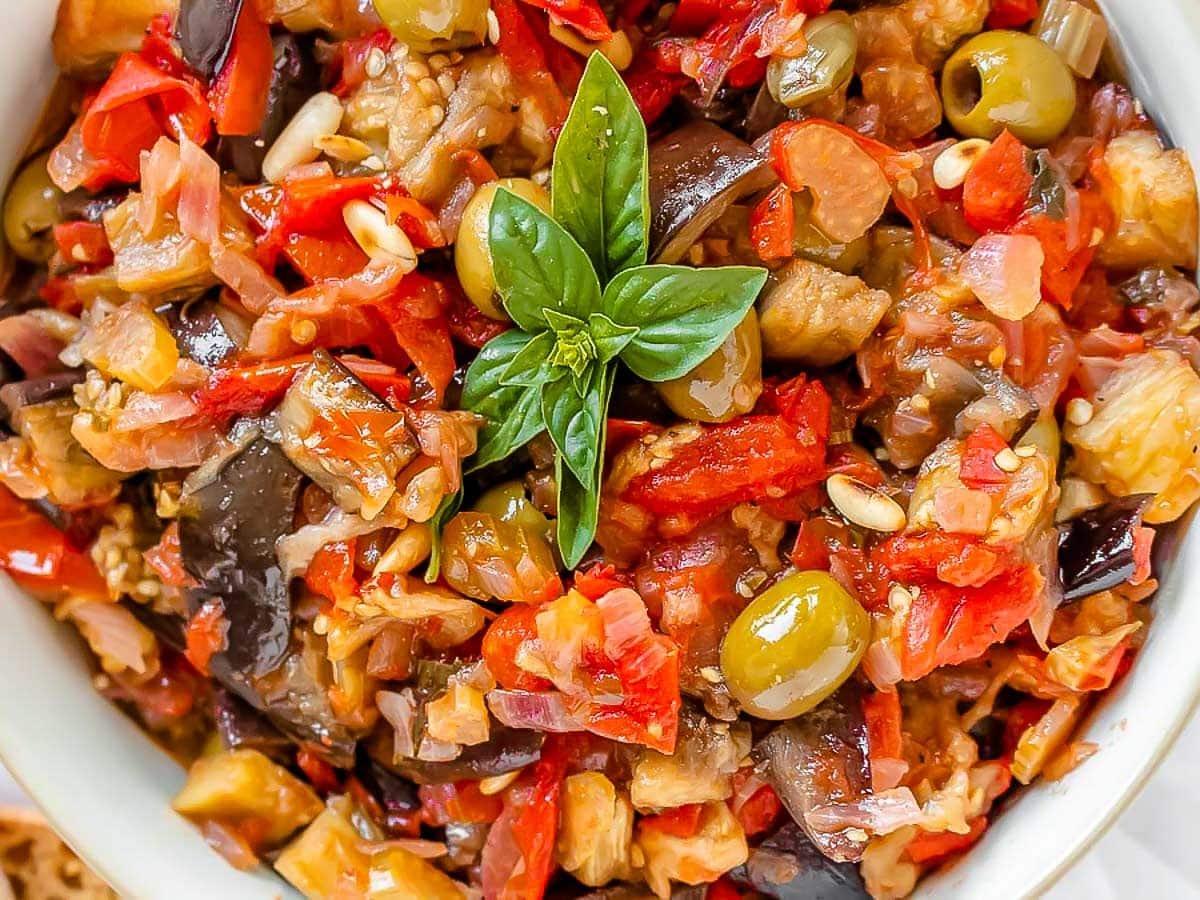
(108, 790)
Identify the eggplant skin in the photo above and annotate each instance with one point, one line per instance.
(205, 31)
(227, 535)
(1095, 550)
(507, 750)
(788, 866)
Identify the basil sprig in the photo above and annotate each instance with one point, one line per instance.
(582, 297)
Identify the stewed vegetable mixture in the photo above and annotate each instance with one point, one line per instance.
(610, 448)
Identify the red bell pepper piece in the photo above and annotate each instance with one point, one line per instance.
(460, 802)
(350, 63)
(319, 773)
(137, 105)
(504, 636)
(585, 16)
(652, 88)
(773, 224)
(1012, 13)
(205, 634)
(598, 580)
(881, 710)
(85, 243)
(997, 185)
(932, 847)
(39, 557)
(526, 58)
(331, 572)
(695, 16)
(681, 822)
(957, 559)
(239, 93)
(760, 811)
(978, 469)
(467, 324)
(165, 559)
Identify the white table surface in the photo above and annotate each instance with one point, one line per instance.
(1149, 854)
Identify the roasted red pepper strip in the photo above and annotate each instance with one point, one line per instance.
(166, 560)
(997, 185)
(519, 46)
(239, 94)
(38, 556)
(84, 243)
(931, 847)
(350, 64)
(682, 821)
(137, 105)
(773, 224)
(652, 89)
(585, 16)
(1012, 13)
(320, 774)
(460, 802)
(205, 634)
(978, 469)
(504, 636)
(331, 572)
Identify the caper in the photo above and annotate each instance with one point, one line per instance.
(472, 255)
(429, 25)
(794, 645)
(508, 502)
(1006, 79)
(826, 64)
(725, 385)
(31, 211)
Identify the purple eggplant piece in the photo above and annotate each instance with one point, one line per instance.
(16, 394)
(397, 796)
(788, 866)
(817, 759)
(199, 331)
(1095, 550)
(507, 750)
(205, 30)
(240, 725)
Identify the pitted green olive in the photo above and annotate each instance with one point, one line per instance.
(794, 645)
(429, 25)
(507, 502)
(1007, 79)
(472, 257)
(31, 211)
(826, 64)
(725, 385)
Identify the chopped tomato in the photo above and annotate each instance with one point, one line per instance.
(978, 469)
(83, 243)
(585, 16)
(722, 889)
(1012, 13)
(747, 459)
(239, 94)
(997, 186)
(206, 634)
(1068, 244)
(694, 16)
(138, 104)
(461, 802)
(760, 811)
(166, 560)
(467, 324)
(526, 58)
(510, 629)
(815, 540)
(957, 559)
(39, 557)
(331, 572)
(681, 822)
(929, 848)
(652, 89)
(772, 224)
(599, 580)
(320, 774)
(881, 710)
(946, 625)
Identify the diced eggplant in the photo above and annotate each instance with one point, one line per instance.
(327, 405)
(201, 331)
(167, 627)
(696, 173)
(240, 726)
(789, 867)
(506, 750)
(227, 531)
(396, 796)
(295, 78)
(71, 476)
(31, 391)
(205, 29)
(1095, 550)
(817, 759)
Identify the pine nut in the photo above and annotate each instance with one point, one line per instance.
(864, 505)
(296, 145)
(410, 548)
(496, 783)
(343, 147)
(378, 238)
(1007, 461)
(1079, 411)
(952, 164)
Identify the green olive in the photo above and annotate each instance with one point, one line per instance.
(508, 502)
(430, 25)
(472, 256)
(812, 243)
(725, 385)
(1006, 79)
(826, 64)
(794, 645)
(31, 211)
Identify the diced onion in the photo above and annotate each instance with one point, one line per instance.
(1005, 272)
(538, 710)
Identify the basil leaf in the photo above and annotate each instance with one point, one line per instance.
(445, 512)
(538, 265)
(574, 423)
(579, 499)
(513, 413)
(682, 314)
(600, 185)
(529, 367)
(609, 337)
